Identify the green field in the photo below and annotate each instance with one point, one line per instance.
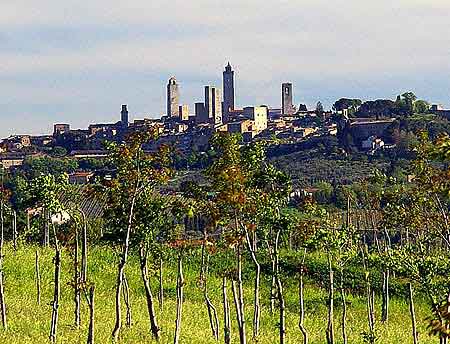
(30, 323)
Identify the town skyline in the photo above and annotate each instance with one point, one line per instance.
(60, 66)
(327, 102)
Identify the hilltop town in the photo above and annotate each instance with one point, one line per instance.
(351, 127)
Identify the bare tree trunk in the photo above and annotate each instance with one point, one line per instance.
(84, 248)
(56, 293)
(91, 304)
(256, 302)
(14, 233)
(238, 310)
(76, 281)
(273, 289)
(241, 325)
(28, 222)
(344, 310)
(2, 291)
(369, 293)
(38, 278)
(213, 318)
(226, 313)
(385, 297)
(121, 268)
(126, 298)
(161, 285)
(330, 326)
(212, 312)
(413, 314)
(180, 287)
(301, 324)
(281, 306)
(372, 309)
(46, 228)
(154, 328)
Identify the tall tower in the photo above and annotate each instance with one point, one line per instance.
(172, 98)
(213, 104)
(124, 117)
(286, 99)
(228, 92)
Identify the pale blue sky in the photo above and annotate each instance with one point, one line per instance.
(77, 62)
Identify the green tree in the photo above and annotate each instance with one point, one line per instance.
(137, 175)
(324, 193)
(421, 106)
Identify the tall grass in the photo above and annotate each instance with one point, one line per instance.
(30, 323)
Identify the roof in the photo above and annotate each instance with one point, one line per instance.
(81, 174)
(368, 121)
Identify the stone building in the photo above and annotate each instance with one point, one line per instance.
(200, 113)
(172, 98)
(287, 107)
(258, 115)
(60, 128)
(183, 112)
(213, 104)
(228, 92)
(17, 142)
(124, 120)
(80, 178)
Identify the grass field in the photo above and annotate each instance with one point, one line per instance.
(30, 323)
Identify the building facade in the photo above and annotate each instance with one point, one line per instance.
(200, 113)
(172, 98)
(257, 114)
(213, 105)
(228, 92)
(183, 112)
(61, 128)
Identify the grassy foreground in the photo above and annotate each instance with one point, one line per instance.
(30, 323)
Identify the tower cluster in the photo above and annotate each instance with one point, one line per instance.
(213, 109)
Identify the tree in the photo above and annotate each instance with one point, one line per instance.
(421, 106)
(137, 173)
(377, 108)
(352, 105)
(408, 99)
(419, 212)
(35, 167)
(319, 109)
(228, 179)
(324, 193)
(59, 151)
(46, 192)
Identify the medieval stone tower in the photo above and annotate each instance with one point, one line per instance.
(124, 117)
(213, 104)
(286, 99)
(228, 92)
(172, 98)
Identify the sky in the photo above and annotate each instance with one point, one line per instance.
(78, 61)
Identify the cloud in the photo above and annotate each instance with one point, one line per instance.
(65, 60)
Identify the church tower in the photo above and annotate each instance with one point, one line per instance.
(228, 92)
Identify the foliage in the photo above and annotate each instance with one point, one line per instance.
(137, 175)
(352, 105)
(36, 166)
